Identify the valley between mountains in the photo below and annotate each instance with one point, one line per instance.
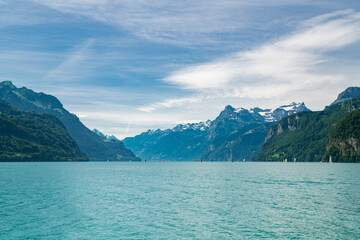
(36, 127)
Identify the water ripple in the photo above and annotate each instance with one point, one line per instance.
(179, 201)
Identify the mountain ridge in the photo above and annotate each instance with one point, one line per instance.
(217, 140)
(346, 95)
(89, 142)
(104, 136)
(30, 136)
(306, 136)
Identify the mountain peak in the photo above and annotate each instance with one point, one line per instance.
(294, 106)
(98, 132)
(152, 131)
(104, 136)
(347, 94)
(8, 84)
(273, 115)
(229, 107)
(350, 92)
(266, 115)
(42, 101)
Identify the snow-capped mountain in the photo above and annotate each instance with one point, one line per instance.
(236, 134)
(230, 113)
(184, 142)
(273, 115)
(202, 126)
(269, 115)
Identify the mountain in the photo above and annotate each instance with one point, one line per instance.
(280, 112)
(236, 134)
(346, 95)
(29, 136)
(185, 142)
(344, 139)
(95, 147)
(104, 136)
(306, 135)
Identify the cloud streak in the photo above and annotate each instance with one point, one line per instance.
(73, 65)
(296, 62)
(185, 22)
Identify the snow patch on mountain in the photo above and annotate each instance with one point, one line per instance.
(273, 115)
(254, 114)
(202, 126)
(238, 110)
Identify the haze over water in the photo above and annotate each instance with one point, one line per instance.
(176, 200)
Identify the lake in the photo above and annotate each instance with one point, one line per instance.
(179, 200)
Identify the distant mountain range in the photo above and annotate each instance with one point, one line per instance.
(235, 135)
(29, 136)
(36, 127)
(182, 143)
(94, 146)
(315, 136)
(104, 136)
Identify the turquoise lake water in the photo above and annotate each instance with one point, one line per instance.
(174, 200)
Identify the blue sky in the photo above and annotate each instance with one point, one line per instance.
(127, 66)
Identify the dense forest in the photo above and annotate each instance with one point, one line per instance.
(94, 146)
(305, 136)
(29, 136)
(344, 139)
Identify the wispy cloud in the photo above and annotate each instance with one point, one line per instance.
(186, 22)
(176, 102)
(296, 62)
(73, 65)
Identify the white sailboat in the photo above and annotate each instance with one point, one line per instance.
(330, 161)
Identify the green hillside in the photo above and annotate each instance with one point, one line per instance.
(94, 146)
(28, 136)
(344, 139)
(305, 135)
(235, 136)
